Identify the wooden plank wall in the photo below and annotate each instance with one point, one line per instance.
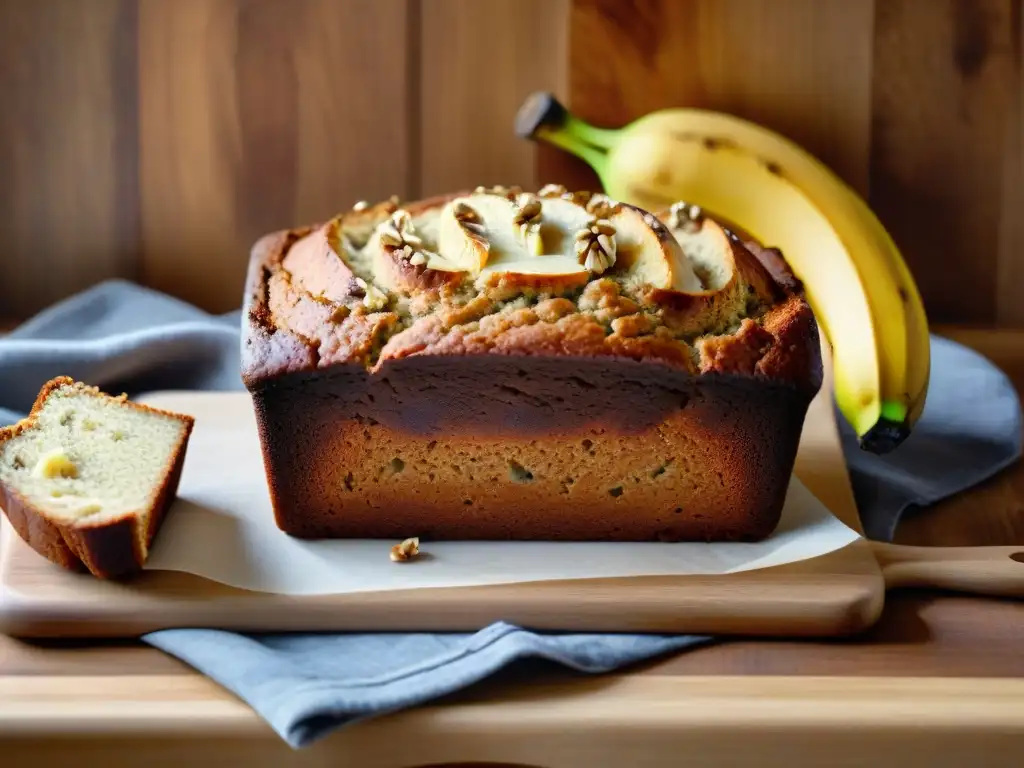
(917, 103)
(156, 139)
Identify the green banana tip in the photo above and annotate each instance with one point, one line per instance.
(885, 436)
(540, 110)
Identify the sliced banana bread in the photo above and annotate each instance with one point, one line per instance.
(86, 478)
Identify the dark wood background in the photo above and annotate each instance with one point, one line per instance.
(156, 139)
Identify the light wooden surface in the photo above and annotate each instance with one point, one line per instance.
(836, 594)
(939, 680)
(990, 571)
(613, 721)
(155, 140)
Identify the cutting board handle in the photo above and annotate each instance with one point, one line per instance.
(991, 571)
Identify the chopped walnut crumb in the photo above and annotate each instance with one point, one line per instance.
(398, 235)
(374, 299)
(398, 231)
(552, 190)
(550, 310)
(682, 215)
(595, 246)
(527, 208)
(594, 294)
(602, 206)
(632, 325)
(622, 305)
(507, 192)
(407, 550)
(527, 221)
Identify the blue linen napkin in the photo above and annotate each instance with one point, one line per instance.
(125, 338)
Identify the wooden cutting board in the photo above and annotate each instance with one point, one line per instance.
(836, 594)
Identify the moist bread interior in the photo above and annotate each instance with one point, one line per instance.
(87, 459)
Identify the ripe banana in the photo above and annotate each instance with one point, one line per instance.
(855, 278)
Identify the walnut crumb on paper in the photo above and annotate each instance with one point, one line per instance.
(407, 550)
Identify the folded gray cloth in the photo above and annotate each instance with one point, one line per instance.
(124, 338)
(306, 686)
(969, 431)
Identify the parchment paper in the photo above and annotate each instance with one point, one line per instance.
(222, 528)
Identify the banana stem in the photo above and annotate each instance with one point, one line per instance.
(604, 138)
(542, 117)
(563, 139)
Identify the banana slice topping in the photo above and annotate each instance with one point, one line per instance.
(550, 234)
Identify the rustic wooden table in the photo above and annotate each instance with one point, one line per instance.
(939, 681)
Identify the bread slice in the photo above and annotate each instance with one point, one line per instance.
(87, 478)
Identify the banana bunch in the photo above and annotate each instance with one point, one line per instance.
(854, 277)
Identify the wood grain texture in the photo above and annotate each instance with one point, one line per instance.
(943, 112)
(150, 140)
(1010, 309)
(561, 723)
(991, 571)
(69, 211)
(479, 61)
(917, 104)
(259, 115)
(802, 67)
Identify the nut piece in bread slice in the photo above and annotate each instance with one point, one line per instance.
(87, 478)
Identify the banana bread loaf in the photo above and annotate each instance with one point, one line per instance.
(505, 365)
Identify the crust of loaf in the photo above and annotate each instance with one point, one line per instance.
(624, 434)
(109, 550)
(515, 447)
(783, 346)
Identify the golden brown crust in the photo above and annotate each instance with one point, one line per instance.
(506, 283)
(315, 265)
(318, 333)
(784, 347)
(303, 311)
(775, 264)
(521, 332)
(111, 549)
(749, 280)
(408, 423)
